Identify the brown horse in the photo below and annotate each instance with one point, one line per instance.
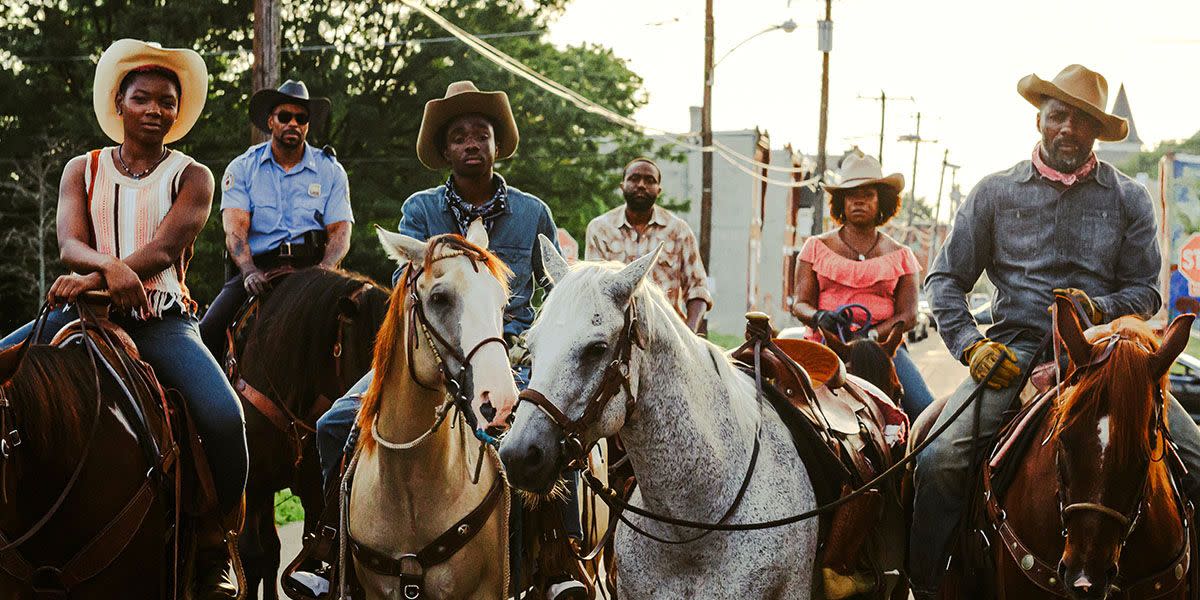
(1092, 508)
(311, 340)
(871, 360)
(70, 466)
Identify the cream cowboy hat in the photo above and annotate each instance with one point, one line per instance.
(858, 170)
(1082, 88)
(126, 55)
(462, 98)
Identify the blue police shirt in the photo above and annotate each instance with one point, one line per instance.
(284, 205)
(513, 239)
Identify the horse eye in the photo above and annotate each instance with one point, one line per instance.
(439, 299)
(596, 349)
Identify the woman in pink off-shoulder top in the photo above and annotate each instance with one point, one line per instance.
(859, 264)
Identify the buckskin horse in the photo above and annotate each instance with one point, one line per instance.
(693, 429)
(1092, 511)
(309, 341)
(428, 506)
(87, 461)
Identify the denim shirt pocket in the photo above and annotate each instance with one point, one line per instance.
(1017, 233)
(1100, 237)
(517, 257)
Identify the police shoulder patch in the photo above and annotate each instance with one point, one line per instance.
(227, 182)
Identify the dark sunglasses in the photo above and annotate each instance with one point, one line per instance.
(285, 117)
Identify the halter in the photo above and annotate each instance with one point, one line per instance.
(615, 379)
(454, 384)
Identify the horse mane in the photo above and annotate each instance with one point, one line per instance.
(391, 334)
(53, 395)
(310, 297)
(1121, 388)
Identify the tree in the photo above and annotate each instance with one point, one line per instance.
(1147, 162)
(377, 61)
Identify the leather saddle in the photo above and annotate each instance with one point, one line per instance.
(846, 432)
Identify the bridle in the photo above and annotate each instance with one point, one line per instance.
(453, 384)
(615, 379)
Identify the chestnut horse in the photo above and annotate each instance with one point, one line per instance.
(872, 360)
(1092, 508)
(311, 340)
(70, 462)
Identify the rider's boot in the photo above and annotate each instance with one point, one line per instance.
(210, 577)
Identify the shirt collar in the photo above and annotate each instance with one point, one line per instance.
(658, 216)
(308, 161)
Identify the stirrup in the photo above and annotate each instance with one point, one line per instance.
(307, 585)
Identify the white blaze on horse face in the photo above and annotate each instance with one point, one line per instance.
(1104, 430)
(482, 317)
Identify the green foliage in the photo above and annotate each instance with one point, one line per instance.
(724, 340)
(377, 76)
(1147, 162)
(287, 508)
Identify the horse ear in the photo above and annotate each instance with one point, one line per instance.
(400, 247)
(477, 234)
(347, 308)
(1174, 341)
(836, 344)
(626, 281)
(1071, 333)
(553, 263)
(894, 339)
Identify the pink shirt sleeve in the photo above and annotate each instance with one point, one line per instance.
(808, 252)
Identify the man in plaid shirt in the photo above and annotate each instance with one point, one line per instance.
(628, 232)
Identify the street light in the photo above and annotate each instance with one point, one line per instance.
(706, 168)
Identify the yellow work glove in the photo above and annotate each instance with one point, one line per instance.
(1091, 311)
(982, 355)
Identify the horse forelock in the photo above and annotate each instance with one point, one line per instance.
(1121, 389)
(448, 245)
(868, 360)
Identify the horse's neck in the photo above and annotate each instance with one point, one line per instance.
(406, 412)
(692, 432)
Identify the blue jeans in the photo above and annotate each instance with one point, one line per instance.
(917, 396)
(172, 346)
(943, 470)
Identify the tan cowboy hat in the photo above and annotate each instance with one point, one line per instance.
(1082, 88)
(126, 55)
(859, 169)
(462, 98)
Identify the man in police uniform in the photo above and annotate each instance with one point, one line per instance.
(283, 203)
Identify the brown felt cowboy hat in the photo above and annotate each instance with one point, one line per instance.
(128, 55)
(291, 92)
(1082, 88)
(463, 98)
(859, 169)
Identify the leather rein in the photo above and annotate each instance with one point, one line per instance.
(1039, 571)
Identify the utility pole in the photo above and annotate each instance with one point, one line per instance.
(916, 139)
(267, 37)
(706, 164)
(937, 209)
(824, 45)
(882, 99)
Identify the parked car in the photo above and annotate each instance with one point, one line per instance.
(1185, 384)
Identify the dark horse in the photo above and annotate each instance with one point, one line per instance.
(70, 467)
(311, 340)
(871, 359)
(1092, 510)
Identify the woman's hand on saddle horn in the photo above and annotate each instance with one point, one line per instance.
(982, 355)
(125, 288)
(68, 287)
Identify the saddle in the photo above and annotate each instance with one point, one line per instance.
(846, 432)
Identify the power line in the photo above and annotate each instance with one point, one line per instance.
(309, 48)
(522, 70)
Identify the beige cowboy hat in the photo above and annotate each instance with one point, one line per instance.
(1082, 88)
(859, 169)
(462, 98)
(126, 55)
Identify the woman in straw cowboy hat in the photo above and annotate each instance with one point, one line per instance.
(859, 264)
(127, 218)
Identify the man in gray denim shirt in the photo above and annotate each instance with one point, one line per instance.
(1060, 221)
